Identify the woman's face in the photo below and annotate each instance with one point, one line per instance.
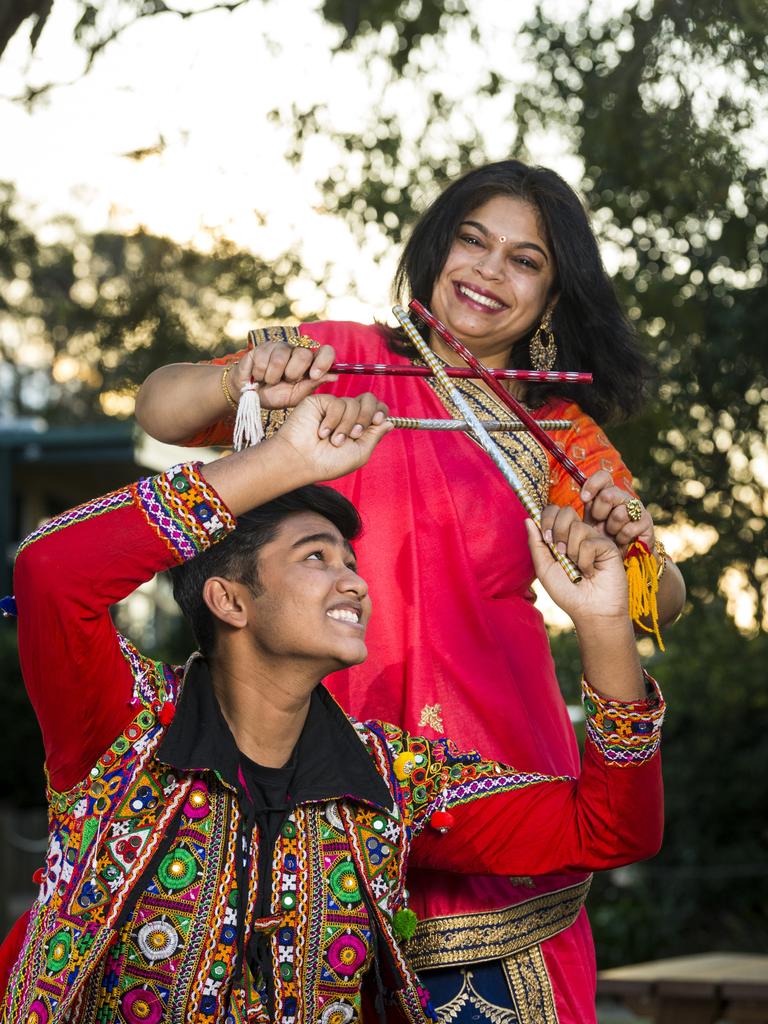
(496, 281)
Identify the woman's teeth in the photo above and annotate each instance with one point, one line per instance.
(482, 299)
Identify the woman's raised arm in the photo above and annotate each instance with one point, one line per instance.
(196, 403)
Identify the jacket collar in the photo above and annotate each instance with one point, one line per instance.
(331, 759)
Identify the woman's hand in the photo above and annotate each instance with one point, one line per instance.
(605, 508)
(287, 374)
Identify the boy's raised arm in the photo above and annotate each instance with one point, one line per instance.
(521, 823)
(80, 676)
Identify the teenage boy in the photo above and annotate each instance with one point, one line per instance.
(225, 844)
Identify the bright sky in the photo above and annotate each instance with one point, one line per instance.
(205, 86)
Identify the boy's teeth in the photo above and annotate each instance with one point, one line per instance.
(344, 615)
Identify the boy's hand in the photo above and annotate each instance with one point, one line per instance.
(286, 374)
(602, 593)
(333, 436)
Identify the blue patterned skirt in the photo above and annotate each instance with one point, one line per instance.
(478, 993)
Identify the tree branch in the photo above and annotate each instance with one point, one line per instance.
(13, 14)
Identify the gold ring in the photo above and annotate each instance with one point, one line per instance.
(304, 342)
(634, 509)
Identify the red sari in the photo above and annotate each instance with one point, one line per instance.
(457, 647)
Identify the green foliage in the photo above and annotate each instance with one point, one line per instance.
(412, 20)
(83, 317)
(21, 752)
(97, 26)
(708, 887)
(670, 179)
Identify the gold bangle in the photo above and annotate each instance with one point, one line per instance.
(225, 387)
(661, 553)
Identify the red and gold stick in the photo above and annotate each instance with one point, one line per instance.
(389, 370)
(505, 466)
(501, 393)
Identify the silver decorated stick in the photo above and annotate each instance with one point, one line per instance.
(492, 426)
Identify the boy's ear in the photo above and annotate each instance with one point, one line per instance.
(226, 600)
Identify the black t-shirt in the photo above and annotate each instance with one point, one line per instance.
(267, 790)
(266, 802)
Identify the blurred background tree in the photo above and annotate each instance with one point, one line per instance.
(84, 319)
(660, 113)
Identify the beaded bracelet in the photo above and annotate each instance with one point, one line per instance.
(225, 387)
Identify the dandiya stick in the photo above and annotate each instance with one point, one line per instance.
(400, 370)
(503, 395)
(492, 426)
(482, 436)
(391, 370)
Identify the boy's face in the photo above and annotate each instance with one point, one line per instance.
(312, 605)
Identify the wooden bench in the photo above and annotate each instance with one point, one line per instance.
(699, 989)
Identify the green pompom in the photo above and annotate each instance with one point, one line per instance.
(404, 922)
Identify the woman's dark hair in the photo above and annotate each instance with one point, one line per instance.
(236, 556)
(591, 329)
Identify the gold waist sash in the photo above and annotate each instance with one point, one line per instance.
(495, 934)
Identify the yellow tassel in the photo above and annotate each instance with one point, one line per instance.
(643, 583)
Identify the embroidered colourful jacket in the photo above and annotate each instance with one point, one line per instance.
(144, 906)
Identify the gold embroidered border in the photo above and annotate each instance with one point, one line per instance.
(273, 419)
(263, 335)
(495, 934)
(531, 989)
(522, 450)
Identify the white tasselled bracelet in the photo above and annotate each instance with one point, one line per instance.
(248, 427)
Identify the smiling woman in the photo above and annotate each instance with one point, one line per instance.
(497, 278)
(505, 257)
(519, 237)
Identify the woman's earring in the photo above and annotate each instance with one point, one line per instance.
(543, 347)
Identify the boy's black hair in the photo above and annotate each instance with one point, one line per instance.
(236, 556)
